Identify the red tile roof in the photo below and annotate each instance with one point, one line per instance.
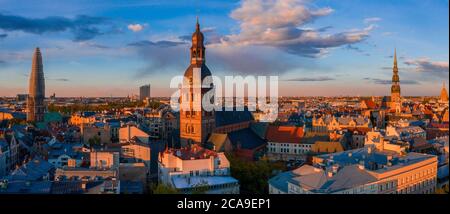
(284, 134)
(370, 104)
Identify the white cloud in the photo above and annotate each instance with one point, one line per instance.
(372, 20)
(425, 65)
(279, 24)
(136, 27)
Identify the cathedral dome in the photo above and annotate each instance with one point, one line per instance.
(204, 71)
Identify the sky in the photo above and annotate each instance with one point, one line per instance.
(316, 47)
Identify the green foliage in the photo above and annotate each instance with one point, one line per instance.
(254, 176)
(94, 141)
(16, 121)
(162, 189)
(201, 188)
(154, 104)
(78, 107)
(443, 190)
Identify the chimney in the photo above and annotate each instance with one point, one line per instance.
(330, 174)
(83, 184)
(335, 168)
(129, 132)
(361, 166)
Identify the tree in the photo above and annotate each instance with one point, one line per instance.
(443, 190)
(253, 176)
(94, 141)
(201, 188)
(16, 121)
(163, 189)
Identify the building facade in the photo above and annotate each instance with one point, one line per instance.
(361, 171)
(195, 167)
(144, 92)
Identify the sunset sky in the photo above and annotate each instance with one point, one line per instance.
(322, 47)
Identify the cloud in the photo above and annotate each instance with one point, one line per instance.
(61, 79)
(267, 28)
(93, 45)
(160, 56)
(311, 79)
(372, 20)
(428, 67)
(82, 27)
(388, 33)
(389, 82)
(279, 24)
(136, 27)
(161, 44)
(211, 36)
(173, 56)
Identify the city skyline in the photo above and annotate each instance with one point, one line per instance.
(323, 48)
(225, 138)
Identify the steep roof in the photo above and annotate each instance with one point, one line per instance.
(218, 140)
(284, 134)
(347, 178)
(224, 118)
(326, 146)
(246, 138)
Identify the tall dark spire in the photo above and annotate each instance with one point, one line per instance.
(198, 48)
(396, 102)
(395, 77)
(36, 95)
(395, 61)
(197, 25)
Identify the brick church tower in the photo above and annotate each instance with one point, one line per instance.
(196, 124)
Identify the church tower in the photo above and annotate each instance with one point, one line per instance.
(444, 94)
(36, 94)
(196, 124)
(395, 88)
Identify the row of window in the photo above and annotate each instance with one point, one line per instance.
(419, 187)
(415, 176)
(291, 145)
(287, 150)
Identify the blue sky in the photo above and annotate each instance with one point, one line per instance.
(322, 47)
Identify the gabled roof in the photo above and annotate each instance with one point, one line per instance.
(31, 171)
(218, 139)
(284, 134)
(349, 177)
(370, 104)
(224, 118)
(327, 147)
(246, 138)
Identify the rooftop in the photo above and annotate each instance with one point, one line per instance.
(284, 134)
(197, 181)
(192, 153)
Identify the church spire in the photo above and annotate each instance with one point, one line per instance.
(395, 88)
(444, 94)
(395, 61)
(197, 25)
(198, 48)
